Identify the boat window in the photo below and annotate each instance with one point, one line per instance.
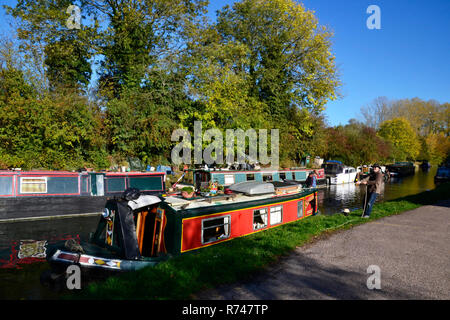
(332, 168)
(250, 176)
(259, 218)
(282, 175)
(300, 209)
(346, 171)
(33, 184)
(267, 177)
(214, 229)
(276, 215)
(229, 179)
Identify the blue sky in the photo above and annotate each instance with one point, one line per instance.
(407, 58)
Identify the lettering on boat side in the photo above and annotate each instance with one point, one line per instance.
(233, 309)
(374, 281)
(73, 277)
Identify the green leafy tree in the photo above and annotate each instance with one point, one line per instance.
(263, 65)
(67, 64)
(288, 57)
(356, 144)
(400, 134)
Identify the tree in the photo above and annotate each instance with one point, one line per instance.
(356, 144)
(402, 137)
(288, 53)
(67, 64)
(263, 65)
(53, 132)
(436, 147)
(378, 111)
(140, 122)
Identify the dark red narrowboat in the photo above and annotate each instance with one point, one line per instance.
(26, 195)
(133, 234)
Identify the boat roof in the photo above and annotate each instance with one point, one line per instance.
(178, 203)
(264, 170)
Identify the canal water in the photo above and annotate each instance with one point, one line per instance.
(23, 244)
(335, 198)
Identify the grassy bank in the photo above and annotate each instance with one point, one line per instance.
(234, 260)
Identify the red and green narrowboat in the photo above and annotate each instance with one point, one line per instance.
(143, 232)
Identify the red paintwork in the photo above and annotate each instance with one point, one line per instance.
(241, 223)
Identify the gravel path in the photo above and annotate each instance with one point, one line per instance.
(412, 251)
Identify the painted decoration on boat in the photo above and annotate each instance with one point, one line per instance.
(110, 228)
(32, 249)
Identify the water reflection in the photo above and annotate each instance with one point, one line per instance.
(27, 241)
(335, 198)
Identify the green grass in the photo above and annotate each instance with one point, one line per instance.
(183, 276)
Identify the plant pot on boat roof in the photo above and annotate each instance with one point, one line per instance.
(187, 192)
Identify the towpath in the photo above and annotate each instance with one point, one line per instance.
(411, 250)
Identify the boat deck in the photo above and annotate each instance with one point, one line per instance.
(179, 203)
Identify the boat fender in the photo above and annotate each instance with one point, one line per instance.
(73, 246)
(131, 194)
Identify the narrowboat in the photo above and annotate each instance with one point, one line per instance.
(425, 166)
(133, 234)
(401, 169)
(338, 173)
(202, 178)
(42, 194)
(442, 174)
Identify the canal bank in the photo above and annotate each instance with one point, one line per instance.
(409, 251)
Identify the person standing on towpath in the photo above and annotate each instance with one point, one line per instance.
(374, 184)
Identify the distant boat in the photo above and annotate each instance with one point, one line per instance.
(40, 194)
(442, 174)
(338, 173)
(401, 169)
(203, 177)
(425, 166)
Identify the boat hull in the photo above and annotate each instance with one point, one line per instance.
(343, 178)
(397, 170)
(62, 259)
(16, 209)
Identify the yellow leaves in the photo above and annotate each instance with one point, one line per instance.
(437, 147)
(401, 135)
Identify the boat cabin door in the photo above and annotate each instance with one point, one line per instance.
(149, 231)
(202, 179)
